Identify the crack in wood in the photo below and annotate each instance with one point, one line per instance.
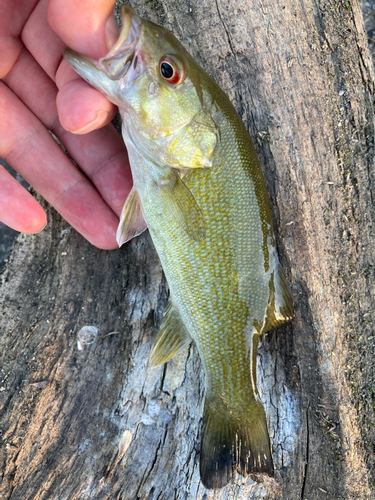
(163, 379)
(307, 454)
(148, 473)
(225, 29)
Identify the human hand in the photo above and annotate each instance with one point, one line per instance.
(39, 93)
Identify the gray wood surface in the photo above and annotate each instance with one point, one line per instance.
(92, 420)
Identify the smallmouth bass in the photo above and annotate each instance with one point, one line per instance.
(199, 186)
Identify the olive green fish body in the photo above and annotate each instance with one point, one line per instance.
(199, 186)
(220, 288)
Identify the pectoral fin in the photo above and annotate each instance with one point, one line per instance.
(172, 338)
(182, 206)
(131, 220)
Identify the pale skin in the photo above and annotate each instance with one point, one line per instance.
(39, 93)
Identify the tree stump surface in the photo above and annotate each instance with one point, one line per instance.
(85, 417)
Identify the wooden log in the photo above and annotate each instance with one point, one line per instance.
(85, 417)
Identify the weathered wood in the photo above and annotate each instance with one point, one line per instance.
(300, 76)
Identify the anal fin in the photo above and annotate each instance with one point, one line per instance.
(172, 338)
(132, 222)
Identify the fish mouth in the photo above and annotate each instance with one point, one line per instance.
(117, 62)
(119, 59)
(80, 63)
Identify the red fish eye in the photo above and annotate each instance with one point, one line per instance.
(170, 71)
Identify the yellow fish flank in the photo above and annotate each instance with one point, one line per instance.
(199, 186)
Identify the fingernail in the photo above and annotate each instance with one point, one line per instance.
(111, 32)
(40, 230)
(99, 121)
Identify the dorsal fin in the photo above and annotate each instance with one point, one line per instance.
(172, 337)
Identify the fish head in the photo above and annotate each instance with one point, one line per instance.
(151, 77)
(147, 70)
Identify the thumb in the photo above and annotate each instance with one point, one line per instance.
(86, 26)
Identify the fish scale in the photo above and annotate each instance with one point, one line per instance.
(199, 186)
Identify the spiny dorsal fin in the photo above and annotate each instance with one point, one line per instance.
(172, 337)
(182, 205)
(131, 220)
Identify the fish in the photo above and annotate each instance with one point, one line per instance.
(199, 187)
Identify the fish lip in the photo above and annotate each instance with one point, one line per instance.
(118, 61)
(89, 70)
(77, 61)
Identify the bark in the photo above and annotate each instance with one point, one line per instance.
(88, 418)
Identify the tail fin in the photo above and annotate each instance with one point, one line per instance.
(233, 443)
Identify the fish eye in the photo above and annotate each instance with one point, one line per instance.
(166, 70)
(171, 70)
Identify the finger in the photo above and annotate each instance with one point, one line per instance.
(82, 109)
(34, 88)
(83, 104)
(86, 26)
(91, 109)
(103, 157)
(92, 31)
(18, 209)
(101, 154)
(38, 36)
(11, 25)
(31, 150)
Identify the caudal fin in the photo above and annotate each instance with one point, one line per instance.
(233, 443)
